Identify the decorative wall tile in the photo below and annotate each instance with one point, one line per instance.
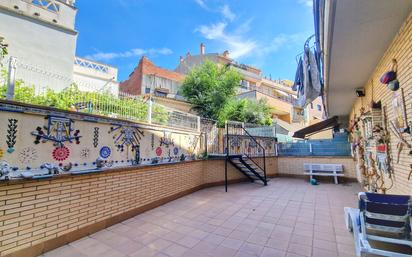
(58, 130)
(96, 137)
(105, 152)
(85, 153)
(28, 155)
(61, 153)
(11, 135)
(126, 136)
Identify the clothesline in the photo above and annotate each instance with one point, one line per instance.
(305, 46)
(308, 79)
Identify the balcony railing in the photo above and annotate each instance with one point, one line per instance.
(91, 65)
(286, 98)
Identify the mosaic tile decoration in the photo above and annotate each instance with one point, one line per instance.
(11, 135)
(105, 152)
(61, 153)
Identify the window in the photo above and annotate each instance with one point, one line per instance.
(147, 90)
(319, 107)
(311, 105)
(244, 83)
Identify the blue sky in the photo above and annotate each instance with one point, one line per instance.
(264, 33)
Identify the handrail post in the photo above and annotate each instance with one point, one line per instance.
(227, 153)
(264, 165)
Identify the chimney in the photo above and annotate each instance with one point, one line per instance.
(181, 59)
(226, 54)
(202, 49)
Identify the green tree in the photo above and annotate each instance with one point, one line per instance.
(209, 87)
(245, 110)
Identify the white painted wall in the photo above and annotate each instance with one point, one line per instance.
(45, 49)
(92, 76)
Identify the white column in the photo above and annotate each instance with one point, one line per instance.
(11, 82)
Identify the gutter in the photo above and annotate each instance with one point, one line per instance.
(326, 34)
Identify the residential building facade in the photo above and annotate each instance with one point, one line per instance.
(41, 38)
(255, 86)
(159, 83)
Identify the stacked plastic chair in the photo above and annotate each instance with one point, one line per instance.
(381, 225)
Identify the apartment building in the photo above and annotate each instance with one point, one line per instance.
(159, 83)
(42, 38)
(278, 93)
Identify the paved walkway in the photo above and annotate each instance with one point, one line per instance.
(288, 218)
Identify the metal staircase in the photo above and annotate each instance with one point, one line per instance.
(251, 162)
(251, 170)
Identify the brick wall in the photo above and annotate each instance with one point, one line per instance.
(133, 85)
(294, 165)
(37, 216)
(401, 50)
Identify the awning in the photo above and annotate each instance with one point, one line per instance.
(317, 127)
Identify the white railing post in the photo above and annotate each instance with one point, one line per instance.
(198, 124)
(11, 78)
(149, 111)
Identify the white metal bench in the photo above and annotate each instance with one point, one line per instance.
(330, 170)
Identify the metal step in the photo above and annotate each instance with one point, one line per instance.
(249, 169)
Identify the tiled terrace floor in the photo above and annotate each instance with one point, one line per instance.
(289, 218)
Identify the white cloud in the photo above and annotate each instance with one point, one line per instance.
(227, 13)
(244, 27)
(202, 4)
(214, 31)
(282, 41)
(107, 56)
(236, 44)
(307, 3)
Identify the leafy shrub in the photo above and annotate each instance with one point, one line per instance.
(102, 103)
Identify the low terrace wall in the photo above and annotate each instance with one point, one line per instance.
(37, 216)
(38, 142)
(144, 166)
(293, 166)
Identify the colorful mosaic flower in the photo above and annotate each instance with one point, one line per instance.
(61, 153)
(105, 152)
(159, 151)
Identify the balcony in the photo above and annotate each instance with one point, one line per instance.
(286, 98)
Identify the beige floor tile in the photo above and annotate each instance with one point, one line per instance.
(288, 218)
